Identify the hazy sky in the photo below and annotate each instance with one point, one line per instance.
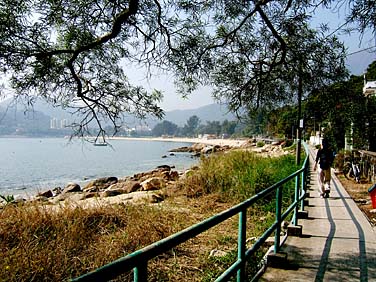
(357, 60)
(165, 83)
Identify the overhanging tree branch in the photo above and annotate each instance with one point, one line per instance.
(243, 49)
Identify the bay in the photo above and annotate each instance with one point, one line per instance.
(30, 165)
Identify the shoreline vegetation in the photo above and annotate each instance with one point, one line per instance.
(46, 241)
(207, 141)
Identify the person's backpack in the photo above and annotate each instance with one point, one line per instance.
(326, 159)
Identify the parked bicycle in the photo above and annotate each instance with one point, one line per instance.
(351, 169)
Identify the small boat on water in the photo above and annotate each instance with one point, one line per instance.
(100, 144)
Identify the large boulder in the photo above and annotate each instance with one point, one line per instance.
(72, 187)
(164, 167)
(111, 193)
(89, 195)
(47, 194)
(197, 147)
(100, 184)
(163, 171)
(57, 190)
(74, 197)
(184, 149)
(123, 187)
(173, 175)
(207, 150)
(154, 183)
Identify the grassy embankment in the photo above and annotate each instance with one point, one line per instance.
(40, 245)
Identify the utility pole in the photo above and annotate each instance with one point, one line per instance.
(300, 124)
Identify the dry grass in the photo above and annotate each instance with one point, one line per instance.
(42, 244)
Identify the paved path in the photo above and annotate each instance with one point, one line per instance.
(338, 242)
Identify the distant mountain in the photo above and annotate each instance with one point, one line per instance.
(39, 106)
(19, 122)
(212, 112)
(14, 117)
(53, 112)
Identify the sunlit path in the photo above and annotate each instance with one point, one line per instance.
(338, 243)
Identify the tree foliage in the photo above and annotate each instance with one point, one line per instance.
(362, 13)
(70, 53)
(228, 127)
(336, 110)
(190, 128)
(282, 121)
(165, 128)
(257, 53)
(193, 127)
(73, 53)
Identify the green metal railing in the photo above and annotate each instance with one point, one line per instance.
(138, 260)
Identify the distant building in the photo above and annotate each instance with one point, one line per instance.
(53, 123)
(369, 88)
(58, 124)
(142, 128)
(63, 123)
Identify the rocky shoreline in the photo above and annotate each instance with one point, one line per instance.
(141, 186)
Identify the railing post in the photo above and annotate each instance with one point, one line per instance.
(303, 186)
(140, 272)
(297, 194)
(304, 182)
(241, 244)
(278, 209)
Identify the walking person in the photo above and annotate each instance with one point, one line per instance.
(325, 159)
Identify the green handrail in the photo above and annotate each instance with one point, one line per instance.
(138, 260)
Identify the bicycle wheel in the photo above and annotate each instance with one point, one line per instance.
(347, 170)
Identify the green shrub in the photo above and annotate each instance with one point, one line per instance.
(339, 160)
(260, 144)
(238, 175)
(288, 143)
(8, 198)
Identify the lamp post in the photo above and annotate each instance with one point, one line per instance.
(369, 91)
(314, 130)
(314, 127)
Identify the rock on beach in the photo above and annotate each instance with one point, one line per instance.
(140, 186)
(145, 185)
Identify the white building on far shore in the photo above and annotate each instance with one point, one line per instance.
(55, 123)
(369, 88)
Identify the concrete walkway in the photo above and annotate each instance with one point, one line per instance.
(338, 243)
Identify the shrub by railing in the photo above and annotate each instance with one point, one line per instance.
(138, 260)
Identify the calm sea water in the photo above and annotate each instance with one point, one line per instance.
(28, 165)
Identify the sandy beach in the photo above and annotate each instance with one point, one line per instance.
(221, 142)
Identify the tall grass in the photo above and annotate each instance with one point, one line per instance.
(43, 244)
(38, 244)
(237, 175)
(234, 177)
